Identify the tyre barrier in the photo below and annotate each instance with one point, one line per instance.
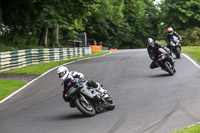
(21, 58)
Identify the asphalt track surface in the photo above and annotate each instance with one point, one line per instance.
(147, 101)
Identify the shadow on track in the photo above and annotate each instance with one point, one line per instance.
(160, 75)
(72, 116)
(61, 117)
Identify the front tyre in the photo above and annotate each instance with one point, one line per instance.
(169, 68)
(178, 53)
(85, 106)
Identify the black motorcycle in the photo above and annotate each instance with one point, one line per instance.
(85, 98)
(175, 46)
(165, 61)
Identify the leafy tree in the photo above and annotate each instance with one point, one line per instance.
(181, 14)
(141, 16)
(0, 12)
(191, 36)
(17, 18)
(124, 24)
(67, 15)
(103, 24)
(115, 23)
(38, 17)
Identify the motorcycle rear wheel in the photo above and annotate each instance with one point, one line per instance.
(85, 106)
(111, 104)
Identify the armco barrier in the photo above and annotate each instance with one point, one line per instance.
(17, 59)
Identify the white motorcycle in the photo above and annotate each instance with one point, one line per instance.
(175, 46)
(85, 98)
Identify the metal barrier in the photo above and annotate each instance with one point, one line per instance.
(17, 59)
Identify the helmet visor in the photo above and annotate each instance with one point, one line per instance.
(60, 75)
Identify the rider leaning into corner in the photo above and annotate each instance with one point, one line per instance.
(154, 50)
(170, 34)
(64, 74)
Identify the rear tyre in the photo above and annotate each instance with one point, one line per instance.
(111, 104)
(85, 106)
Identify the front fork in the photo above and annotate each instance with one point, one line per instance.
(84, 99)
(172, 61)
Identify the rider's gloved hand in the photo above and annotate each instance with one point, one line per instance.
(80, 80)
(153, 58)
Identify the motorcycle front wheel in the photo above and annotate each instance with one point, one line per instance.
(178, 53)
(85, 106)
(169, 68)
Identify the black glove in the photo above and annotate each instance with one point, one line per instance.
(76, 76)
(153, 58)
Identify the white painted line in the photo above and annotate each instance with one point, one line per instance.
(20, 89)
(193, 124)
(197, 65)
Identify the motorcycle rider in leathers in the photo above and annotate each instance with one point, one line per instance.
(154, 50)
(64, 74)
(170, 35)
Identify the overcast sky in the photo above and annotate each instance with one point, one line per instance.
(157, 1)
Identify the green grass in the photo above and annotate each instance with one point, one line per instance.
(9, 86)
(41, 68)
(162, 42)
(193, 129)
(193, 51)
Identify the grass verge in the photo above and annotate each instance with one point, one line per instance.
(192, 129)
(9, 86)
(162, 42)
(43, 67)
(194, 51)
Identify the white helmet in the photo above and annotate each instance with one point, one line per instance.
(62, 72)
(150, 41)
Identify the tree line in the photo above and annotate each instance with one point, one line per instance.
(112, 23)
